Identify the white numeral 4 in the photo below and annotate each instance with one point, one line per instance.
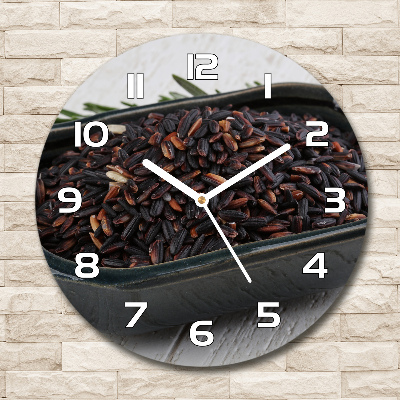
(323, 132)
(194, 333)
(339, 200)
(276, 319)
(142, 307)
(321, 270)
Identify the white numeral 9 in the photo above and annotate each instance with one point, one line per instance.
(310, 135)
(263, 314)
(86, 134)
(77, 199)
(341, 195)
(91, 264)
(194, 333)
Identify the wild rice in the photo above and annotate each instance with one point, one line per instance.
(131, 218)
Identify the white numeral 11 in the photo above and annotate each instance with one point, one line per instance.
(139, 86)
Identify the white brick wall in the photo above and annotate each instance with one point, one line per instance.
(47, 48)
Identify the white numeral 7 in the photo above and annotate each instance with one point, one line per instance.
(142, 307)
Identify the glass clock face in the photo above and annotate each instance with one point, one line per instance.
(202, 200)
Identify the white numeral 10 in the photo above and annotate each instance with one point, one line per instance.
(276, 319)
(339, 200)
(194, 333)
(77, 199)
(320, 270)
(86, 134)
(323, 132)
(197, 72)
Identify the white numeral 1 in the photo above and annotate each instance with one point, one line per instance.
(91, 264)
(323, 132)
(321, 270)
(193, 333)
(142, 307)
(86, 134)
(263, 314)
(267, 85)
(341, 195)
(139, 86)
(77, 200)
(197, 72)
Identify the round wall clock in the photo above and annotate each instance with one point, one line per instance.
(202, 200)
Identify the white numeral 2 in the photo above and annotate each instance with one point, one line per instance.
(142, 307)
(263, 314)
(321, 270)
(310, 135)
(197, 72)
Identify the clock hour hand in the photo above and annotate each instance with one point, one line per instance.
(247, 171)
(170, 179)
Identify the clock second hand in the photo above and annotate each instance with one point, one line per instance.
(228, 245)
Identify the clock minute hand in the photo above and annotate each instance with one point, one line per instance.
(228, 245)
(247, 171)
(170, 179)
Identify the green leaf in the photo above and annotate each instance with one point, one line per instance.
(176, 95)
(71, 114)
(217, 91)
(59, 120)
(97, 108)
(162, 98)
(129, 104)
(257, 83)
(189, 87)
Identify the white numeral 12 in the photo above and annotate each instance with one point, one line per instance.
(197, 72)
(142, 307)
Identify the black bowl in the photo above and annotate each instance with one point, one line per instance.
(205, 286)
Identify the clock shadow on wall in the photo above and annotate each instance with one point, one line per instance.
(201, 311)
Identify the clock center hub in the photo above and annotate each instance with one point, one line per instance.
(202, 201)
